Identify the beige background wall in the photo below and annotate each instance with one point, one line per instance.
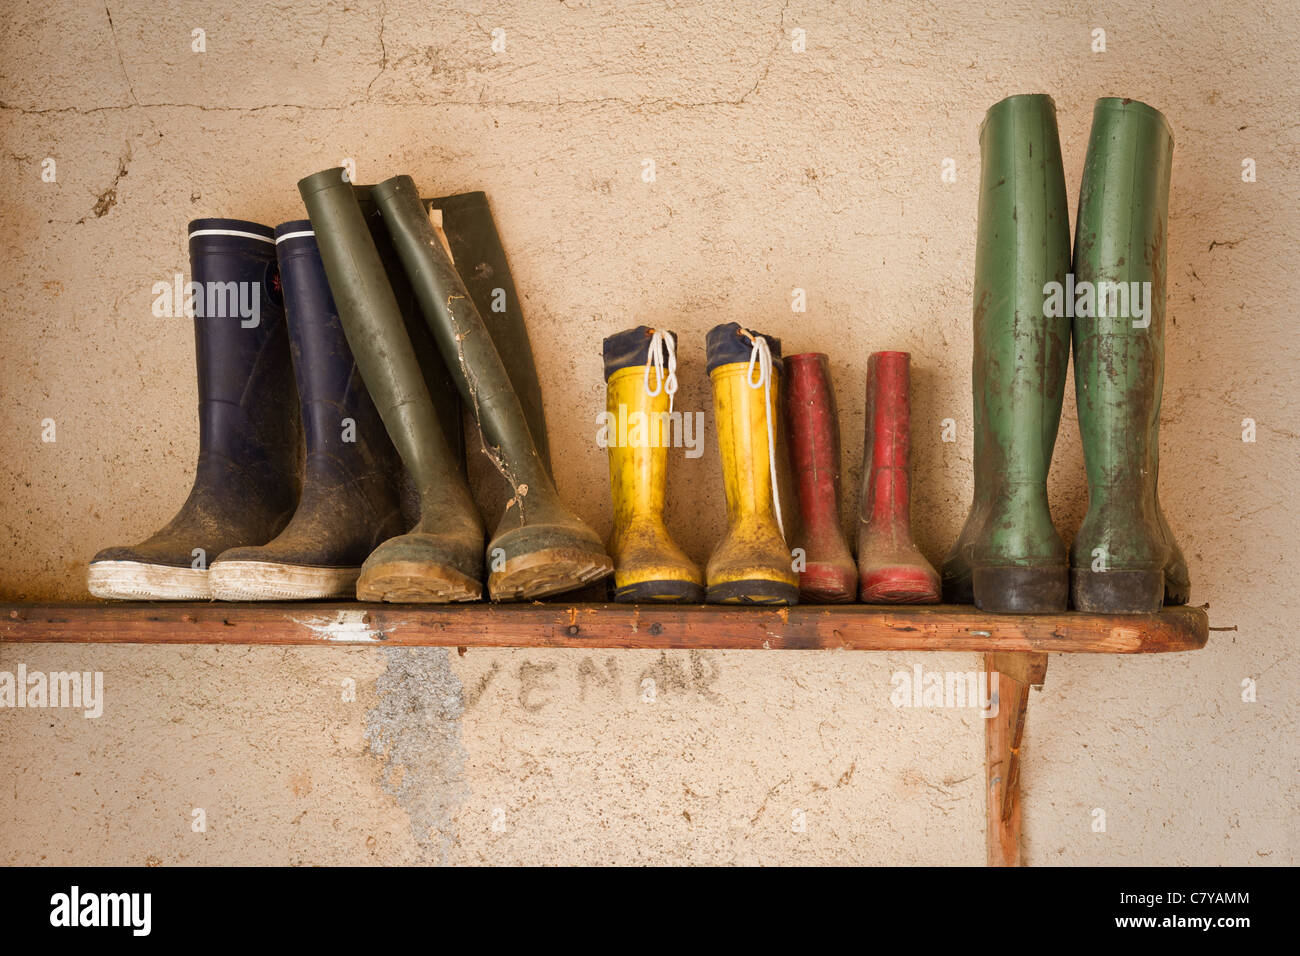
(776, 169)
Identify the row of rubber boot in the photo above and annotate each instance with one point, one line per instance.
(1009, 556)
(396, 310)
(379, 316)
(778, 437)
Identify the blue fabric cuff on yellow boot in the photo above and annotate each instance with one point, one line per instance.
(728, 344)
(631, 348)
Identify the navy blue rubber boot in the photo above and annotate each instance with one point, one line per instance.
(246, 480)
(350, 495)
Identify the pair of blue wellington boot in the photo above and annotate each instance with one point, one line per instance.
(275, 374)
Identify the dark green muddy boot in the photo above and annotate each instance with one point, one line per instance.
(442, 390)
(1009, 557)
(441, 559)
(540, 547)
(480, 259)
(1124, 559)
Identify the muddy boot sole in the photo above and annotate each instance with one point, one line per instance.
(137, 581)
(828, 584)
(416, 582)
(272, 581)
(1118, 592)
(1021, 590)
(888, 589)
(660, 592)
(754, 592)
(549, 571)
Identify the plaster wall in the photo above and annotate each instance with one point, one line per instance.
(775, 169)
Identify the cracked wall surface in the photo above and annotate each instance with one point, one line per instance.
(774, 170)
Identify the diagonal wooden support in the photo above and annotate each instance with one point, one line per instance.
(1003, 733)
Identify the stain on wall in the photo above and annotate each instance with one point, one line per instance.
(414, 730)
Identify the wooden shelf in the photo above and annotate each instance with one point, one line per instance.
(1015, 647)
(557, 624)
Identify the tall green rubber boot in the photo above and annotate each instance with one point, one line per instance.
(1124, 559)
(540, 547)
(441, 559)
(442, 390)
(479, 257)
(1009, 557)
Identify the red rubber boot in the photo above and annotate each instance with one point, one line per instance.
(892, 569)
(829, 575)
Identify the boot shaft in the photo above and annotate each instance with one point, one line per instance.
(341, 427)
(466, 347)
(1023, 245)
(1120, 252)
(437, 377)
(247, 400)
(238, 304)
(375, 328)
(479, 257)
(886, 490)
(637, 422)
(813, 430)
(746, 417)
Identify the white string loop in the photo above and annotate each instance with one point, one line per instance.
(761, 355)
(660, 343)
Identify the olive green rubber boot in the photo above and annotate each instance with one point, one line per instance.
(442, 390)
(1124, 558)
(480, 259)
(540, 547)
(1009, 557)
(441, 559)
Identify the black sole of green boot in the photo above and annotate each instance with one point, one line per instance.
(958, 590)
(1118, 592)
(1177, 592)
(1011, 590)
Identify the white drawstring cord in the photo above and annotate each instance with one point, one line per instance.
(762, 354)
(660, 343)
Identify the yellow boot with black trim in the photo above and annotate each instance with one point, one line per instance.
(649, 567)
(752, 564)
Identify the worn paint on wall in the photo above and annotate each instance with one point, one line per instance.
(775, 169)
(414, 728)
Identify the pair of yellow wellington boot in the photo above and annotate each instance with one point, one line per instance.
(752, 564)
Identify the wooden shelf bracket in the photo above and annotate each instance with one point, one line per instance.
(1010, 675)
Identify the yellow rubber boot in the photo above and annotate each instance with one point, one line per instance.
(640, 381)
(752, 564)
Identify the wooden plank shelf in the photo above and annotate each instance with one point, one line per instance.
(558, 624)
(1015, 647)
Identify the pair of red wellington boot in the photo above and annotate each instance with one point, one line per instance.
(890, 569)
